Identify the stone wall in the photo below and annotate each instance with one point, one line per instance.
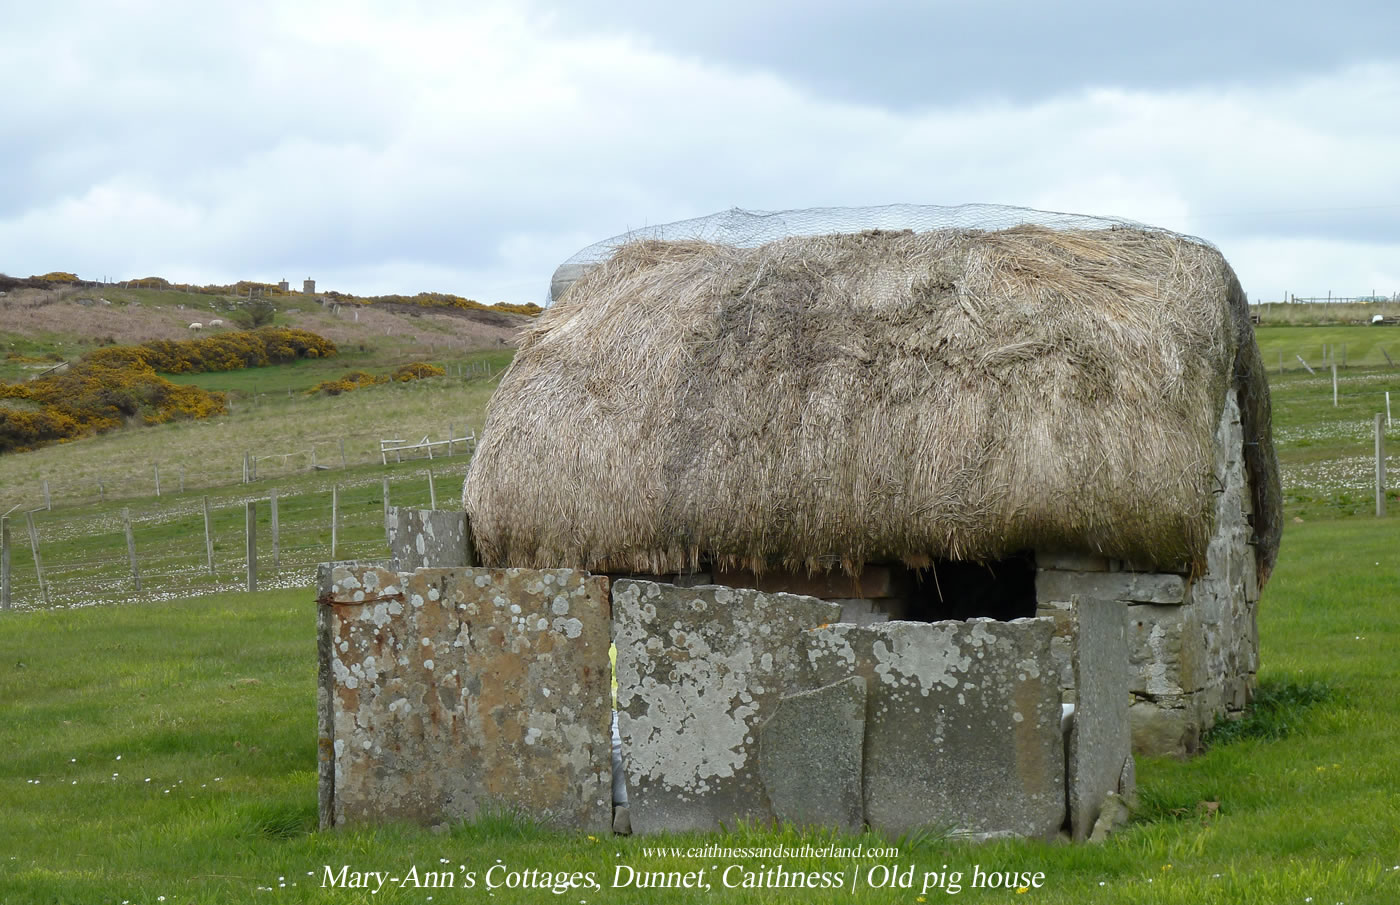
(1192, 644)
(446, 693)
(730, 697)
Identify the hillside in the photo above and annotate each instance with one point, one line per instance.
(42, 326)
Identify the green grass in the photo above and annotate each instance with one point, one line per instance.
(1360, 345)
(212, 695)
(271, 424)
(84, 552)
(213, 699)
(1326, 451)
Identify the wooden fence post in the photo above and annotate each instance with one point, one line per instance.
(386, 508)
(432, 491)
(208, 538)
(1334, 384)
(131, 549)
(1380, 468)
(4, 562)
(101, 493)
(157, 468)
(335, 516)
(182, 479)
(313, 457)
(48, 503)
(251, 526)
(245, 468)
(342, 452)
(450, 435)
(276, 535)
(38, 562)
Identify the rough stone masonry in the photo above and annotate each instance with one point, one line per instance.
(725, 694)
(448, 693)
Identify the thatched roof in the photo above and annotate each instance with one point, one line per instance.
(885, 396)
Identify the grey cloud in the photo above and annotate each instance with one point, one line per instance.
(911, 55)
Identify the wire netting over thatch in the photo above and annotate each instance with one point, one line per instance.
(882, 396)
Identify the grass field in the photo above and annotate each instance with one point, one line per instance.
(210, 693)
(1327, 451)
(168, 749)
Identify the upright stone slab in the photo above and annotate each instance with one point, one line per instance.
(1101, 738)
(699, 671)
(446, 692)
(810, 757)
(428, 538)
(962, 726)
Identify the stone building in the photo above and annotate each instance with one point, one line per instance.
(953, 424)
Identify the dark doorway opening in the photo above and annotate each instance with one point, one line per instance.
(950, 589)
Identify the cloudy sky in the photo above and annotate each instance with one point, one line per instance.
(471, 147)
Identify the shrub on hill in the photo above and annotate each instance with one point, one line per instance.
(417, 371)
(220, 352)
(93, 397)
(441, 300)
(355, 379)
(352, 381)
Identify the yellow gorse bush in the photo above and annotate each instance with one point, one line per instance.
(221, 352)
(355, 379)
(417, 371)
(93, 397)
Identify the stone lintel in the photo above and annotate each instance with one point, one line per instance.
(1132, 587)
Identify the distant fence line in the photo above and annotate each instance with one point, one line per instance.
(1325, 355)
(237, 467)
(72, 557)
(1329, 299)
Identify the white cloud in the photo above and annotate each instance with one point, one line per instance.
(470, 150)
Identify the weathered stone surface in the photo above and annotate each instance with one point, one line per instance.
(1167, 726)
(1101, 736)
(861, 611)
(810, 756)
(1114, 814)
(1164, 649)
(1061, 643)
(874, 581)
(962, 723)
(699, 670)
(1137, 587)
(446, 691)
(428, 538)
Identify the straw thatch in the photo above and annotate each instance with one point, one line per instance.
(886, 396)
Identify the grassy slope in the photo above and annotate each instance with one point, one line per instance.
(1312, 815)
(211, 452)
(213, 699)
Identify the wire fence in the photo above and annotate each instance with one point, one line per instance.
(83, 557)
(1322, 356)
(226, 468)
